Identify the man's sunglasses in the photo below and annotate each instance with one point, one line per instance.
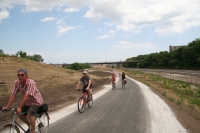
(20, 75)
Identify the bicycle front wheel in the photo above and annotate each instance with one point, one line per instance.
(42, 123)
(81, 105)
(9, 129)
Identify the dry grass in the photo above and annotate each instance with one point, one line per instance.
(56, 84)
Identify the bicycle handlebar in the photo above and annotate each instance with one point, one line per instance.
(79, 89)
(9, 109)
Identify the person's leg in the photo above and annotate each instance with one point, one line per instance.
(32, 111)
(32, 123)
(89, 93)
(23, 117)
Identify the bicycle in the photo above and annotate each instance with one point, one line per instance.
(83, 101)
(113, 85)
(123, 84)
(42, 122)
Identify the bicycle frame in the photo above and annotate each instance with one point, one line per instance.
(14, 123)
(123, 84)
(84, 94)
(113, 84)
(83, 101)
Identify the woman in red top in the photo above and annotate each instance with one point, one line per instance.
(113, 78)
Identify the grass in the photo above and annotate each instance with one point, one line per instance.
(56, 84)
(175, 91)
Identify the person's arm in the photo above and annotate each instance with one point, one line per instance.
(23, 102)
(10, 101)
(89, 84)
(78, 85)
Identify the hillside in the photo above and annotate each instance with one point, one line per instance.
(56, 84)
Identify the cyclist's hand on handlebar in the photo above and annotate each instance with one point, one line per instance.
(3, 109)
(19, 110)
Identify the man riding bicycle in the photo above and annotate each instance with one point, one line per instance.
(31, 101)
(123, 77)
(87, 84)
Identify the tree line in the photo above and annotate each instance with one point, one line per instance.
(187, 57)
(78, 66)
(21, 54)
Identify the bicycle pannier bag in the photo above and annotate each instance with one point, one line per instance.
(43, 108)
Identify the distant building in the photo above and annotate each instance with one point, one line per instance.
(172, 48)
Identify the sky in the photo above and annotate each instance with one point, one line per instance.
(69, 31)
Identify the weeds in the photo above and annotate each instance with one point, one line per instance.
(179, 90)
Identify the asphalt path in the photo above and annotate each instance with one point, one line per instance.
(117, 111)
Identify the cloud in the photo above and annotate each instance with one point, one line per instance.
(71, 10)
(8, 4)
(4, 14)
(134, 15)
(39, 5)
(47, 19)
(63, 29)
(109, 34)
(125, 45)
(166, 17)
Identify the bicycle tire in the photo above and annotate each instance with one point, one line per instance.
(81, 105)
(9, 128)
(113, 86)
(42, 122)
(123, 86)
(90, 103)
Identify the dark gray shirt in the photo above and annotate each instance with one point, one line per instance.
(85, 81)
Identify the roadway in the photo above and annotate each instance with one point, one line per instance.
(133, 110)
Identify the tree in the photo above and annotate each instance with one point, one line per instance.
(37, 57)
(1, 51)
(21, 54)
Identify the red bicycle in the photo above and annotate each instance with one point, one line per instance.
(83, 101)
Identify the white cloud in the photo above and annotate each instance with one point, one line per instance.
(4, 14)
(134, 15)
(166, 17)
(47, 19)
(8, 4)
(109, 34)
(71, 10)
(125, 45)
(39, 5)
(63, 29)
(109, 23)
(103, 37)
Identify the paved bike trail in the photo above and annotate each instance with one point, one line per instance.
(121, 111)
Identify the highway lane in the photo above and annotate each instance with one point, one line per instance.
(117, 111)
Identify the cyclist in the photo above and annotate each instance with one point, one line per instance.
(123, 77)
(113, 78)
(31, 101)
(87, 84)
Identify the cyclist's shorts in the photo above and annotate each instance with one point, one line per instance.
(84, 89)
(31, 110)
